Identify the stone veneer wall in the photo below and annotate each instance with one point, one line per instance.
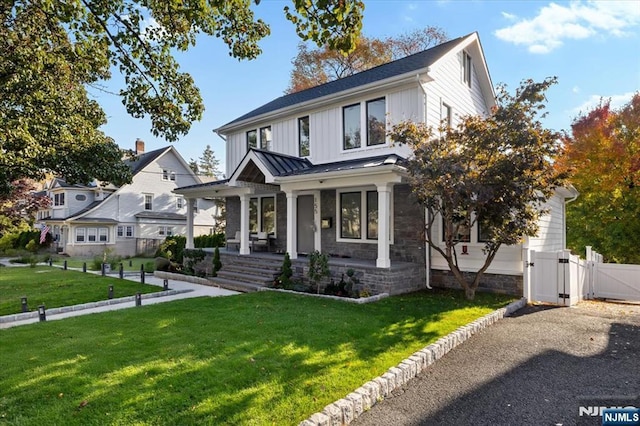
(505, 284)
(233, 216)
(407, 226)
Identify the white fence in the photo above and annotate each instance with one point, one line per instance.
(565, 279)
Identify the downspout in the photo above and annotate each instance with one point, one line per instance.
(427, 248)
(564, 220)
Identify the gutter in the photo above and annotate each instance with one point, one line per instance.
(339, 173)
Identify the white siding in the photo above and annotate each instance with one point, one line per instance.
(551, 232)
(449, 88)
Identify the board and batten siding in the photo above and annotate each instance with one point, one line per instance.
(551, 236)
(325, 130)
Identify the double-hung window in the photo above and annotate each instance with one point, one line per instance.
(373, 123)
(446, 115)
(103, 235)
(148, 201)
(303, 137)
(179, 202)
(80, 235)
(58, 199)
(92, 234)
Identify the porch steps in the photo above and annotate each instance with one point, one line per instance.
(246, 273)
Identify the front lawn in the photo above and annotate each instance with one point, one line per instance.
(129, 265)
(54, 288)
(251, 359)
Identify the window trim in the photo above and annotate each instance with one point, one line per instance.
(308, 136)
(84, 235)
(363, 215)
(179, 202)
(144, 202)
(254, 131)
(59, 199)
(364, 124)
(457, 241)
(165, 174)
(92, 232)
(467, 68)
(259, 224)
(268, 137)
(384, 140)
(446, 113)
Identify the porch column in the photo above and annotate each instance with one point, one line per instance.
(292, 224)
(384, 225)
(244, 224)
(189, 243)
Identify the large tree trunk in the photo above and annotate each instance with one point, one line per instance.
(469, 292)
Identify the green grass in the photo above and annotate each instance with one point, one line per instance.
(76, 262)
(254, 359)
(54, 288)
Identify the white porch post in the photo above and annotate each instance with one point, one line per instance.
(244, 224)
(384, 225)
(189, 243)
(292, 224)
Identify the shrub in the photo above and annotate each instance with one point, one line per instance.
(193, 257)
(217, 264)
(318, 269)
(149, 267)
(211, 240)
(285, 277)
(32, 246)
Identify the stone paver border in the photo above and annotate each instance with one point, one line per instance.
(80, 307)
(345, 410)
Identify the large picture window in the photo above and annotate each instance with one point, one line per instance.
(93, 235)
(376, 127)
(303, 137)
(351, 126)
(359, 216)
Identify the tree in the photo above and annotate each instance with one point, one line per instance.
(602, 155)
(51, 51)
(495, 171)
(17, 211)
(208, 165)
(312, 67)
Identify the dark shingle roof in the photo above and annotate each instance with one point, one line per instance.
(143, 160)
(401, 66)
(160, 215)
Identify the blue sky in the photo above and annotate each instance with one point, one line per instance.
(593, 47)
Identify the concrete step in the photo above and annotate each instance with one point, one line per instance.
(235, 285)
(265, 272)
(246, 277)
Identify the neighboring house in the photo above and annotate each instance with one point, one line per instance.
(131, 219)
(316, 171)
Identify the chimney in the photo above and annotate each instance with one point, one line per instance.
(139, 146)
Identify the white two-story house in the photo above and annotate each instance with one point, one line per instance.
(85, 220)
(316, 170)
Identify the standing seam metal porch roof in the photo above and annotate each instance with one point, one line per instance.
(401, 66)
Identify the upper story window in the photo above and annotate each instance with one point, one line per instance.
(466, 68)
(265, 138)
(148, 201)
(168, 175)
(179, 202)
(351, 126)
(81, 197)
(252, 139)
(58, 199)
(195, 206)
(303, 137)
(376, 128)
(446, 115)
(373, 121)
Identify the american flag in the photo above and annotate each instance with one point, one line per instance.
(43, 234)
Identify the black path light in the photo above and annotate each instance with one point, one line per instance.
(65, 265)
(142, 273)
(121, 271)
(110, 292)
(165, 284)
(42, 313)
(103, 269)
(138, 299)
(50, 261)
(84, 266)
(23, 301)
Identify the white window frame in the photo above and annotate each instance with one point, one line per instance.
(120, 231)
(81, 232)
(363, 215)
(179, 202)
(92, 233)
(446, 113)
(165, 174)
(267, 144)
(364, 127)
(128, 231)
(467, 68)
(144, 202)
(172, 176)
(103, 235)
(308, 136)
(59, 199)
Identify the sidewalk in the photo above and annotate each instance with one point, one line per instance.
(178, 290)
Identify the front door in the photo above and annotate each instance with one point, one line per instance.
(306, 228)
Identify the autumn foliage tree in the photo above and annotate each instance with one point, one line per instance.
(314, 66)
(51, 51)
(496, 171)
(602, 155)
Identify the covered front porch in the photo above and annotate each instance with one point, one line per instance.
(340, 208)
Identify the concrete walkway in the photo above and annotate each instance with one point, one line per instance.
(180, 290)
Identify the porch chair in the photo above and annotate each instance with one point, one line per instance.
(261, 242)
(235, 240)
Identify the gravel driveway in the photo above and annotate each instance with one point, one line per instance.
(535, 368)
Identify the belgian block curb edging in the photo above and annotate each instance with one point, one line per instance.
(345, 410)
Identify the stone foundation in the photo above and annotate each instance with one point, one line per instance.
(494, 283)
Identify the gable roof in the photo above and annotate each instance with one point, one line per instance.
(407, 65)
(143, 160)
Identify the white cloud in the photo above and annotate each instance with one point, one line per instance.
(576, 20)
(594, 100)
(509, 16)
(575, 89)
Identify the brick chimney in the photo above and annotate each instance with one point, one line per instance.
(139, 146)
